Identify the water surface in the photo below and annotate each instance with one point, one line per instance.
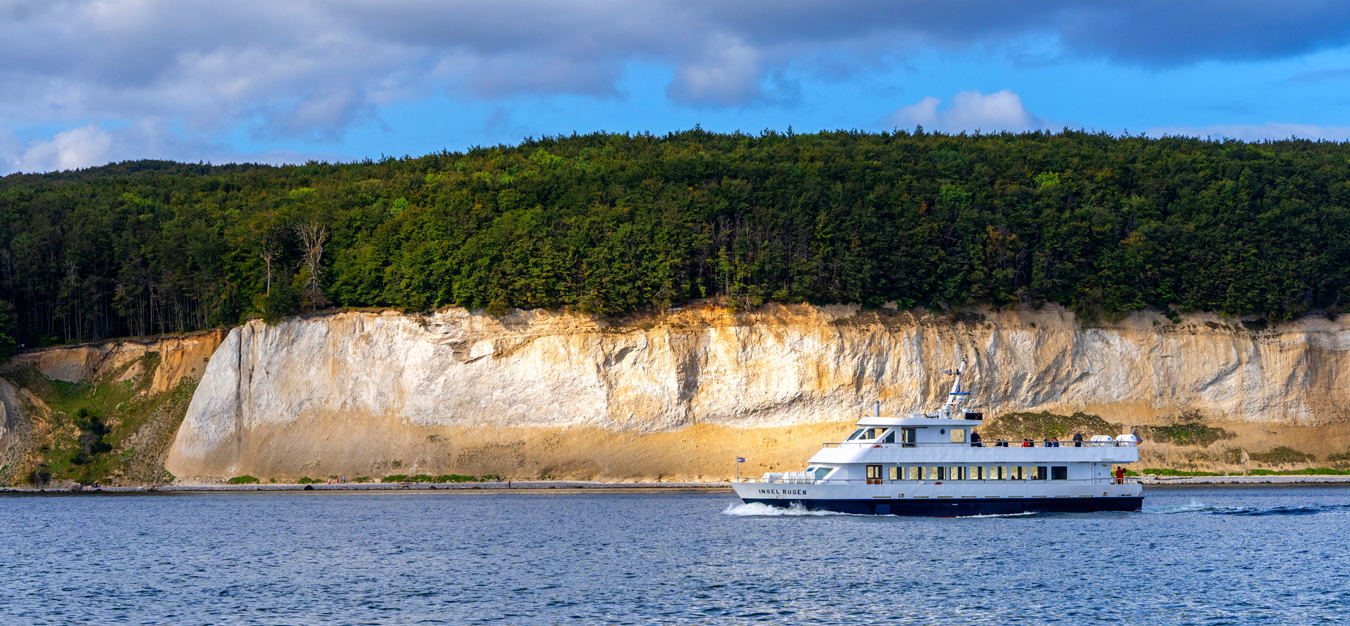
(1213, 555)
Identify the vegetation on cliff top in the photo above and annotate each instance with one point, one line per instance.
(614, 223)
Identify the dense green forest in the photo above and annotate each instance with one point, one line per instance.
(607, 223)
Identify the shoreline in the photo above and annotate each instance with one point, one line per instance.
(578, 486)
(514, 485)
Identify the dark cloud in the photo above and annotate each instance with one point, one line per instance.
(310, 68)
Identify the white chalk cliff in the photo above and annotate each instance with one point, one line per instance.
(676, 395)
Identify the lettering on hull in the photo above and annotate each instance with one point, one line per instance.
(782, 492)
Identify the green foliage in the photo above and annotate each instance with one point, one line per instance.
(1171, 472)
(609, 224)
(1311, 471)
(361, 479)
(445, 478)
(305, 480)
(244, 480)
(1188, 434)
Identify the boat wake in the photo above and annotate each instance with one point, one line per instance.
(759, 509)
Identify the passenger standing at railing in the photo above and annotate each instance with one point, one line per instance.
(1026, 443)
(1001, 443)
(1120, 474)
(975, 439)
(1078, 438)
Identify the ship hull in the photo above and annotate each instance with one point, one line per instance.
(964, 507)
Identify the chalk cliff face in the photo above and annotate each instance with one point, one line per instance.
(681, 394)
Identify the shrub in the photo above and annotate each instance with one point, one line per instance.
(1188, 434)
(305, 480)
(243, 480)
(361, 479)
(1281, 456)
(1040, 426)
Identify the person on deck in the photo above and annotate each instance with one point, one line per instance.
(1120, 474)
(1078, 438)
(975, 439)
(1026, 443)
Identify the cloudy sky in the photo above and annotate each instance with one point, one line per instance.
(83, 83)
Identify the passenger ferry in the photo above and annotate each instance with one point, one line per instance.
(928, 464)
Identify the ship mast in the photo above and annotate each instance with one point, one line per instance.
(956, 396)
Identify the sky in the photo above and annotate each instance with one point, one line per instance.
(85, 83)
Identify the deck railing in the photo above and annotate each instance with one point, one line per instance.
(872, 481)
(984, 444)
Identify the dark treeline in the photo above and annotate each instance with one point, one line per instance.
(614, 223)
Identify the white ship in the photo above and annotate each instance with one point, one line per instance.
(929, 464)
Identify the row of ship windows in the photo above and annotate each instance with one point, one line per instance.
(968, 472)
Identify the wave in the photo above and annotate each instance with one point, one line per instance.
(1241, 511)
(759, 509)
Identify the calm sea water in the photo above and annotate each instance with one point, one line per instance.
(1243, 555)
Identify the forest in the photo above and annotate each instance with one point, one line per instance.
(614, 223)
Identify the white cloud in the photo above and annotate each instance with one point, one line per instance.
(76, 148)
(970, 111)
(1254, 132)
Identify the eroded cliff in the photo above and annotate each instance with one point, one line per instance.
(679, 395)
(105, 411)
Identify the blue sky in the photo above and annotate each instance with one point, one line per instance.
(91, 82)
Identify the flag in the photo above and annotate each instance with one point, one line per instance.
(740, 459)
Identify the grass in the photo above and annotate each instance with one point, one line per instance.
(305, 480)
(244, 480)
(1312, 471)
(444, 478)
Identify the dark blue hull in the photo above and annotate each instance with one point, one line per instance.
(942, 507)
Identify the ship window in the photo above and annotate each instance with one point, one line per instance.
(895, 473)
(873, 433)
(822, 472)
(1040, 473)
(1015, 472)
(890, 437)
(936, 473)
(873, 472)
(998, 472)
(907, 436)
(1059, 472)
(957, 473)
(958, 435)
(856, 434)
(914, 473)
(978, 473)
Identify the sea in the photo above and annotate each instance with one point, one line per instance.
(1194, 555)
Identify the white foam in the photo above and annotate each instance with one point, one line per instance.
(1022, 514)
(1193, 507)
(759, 509)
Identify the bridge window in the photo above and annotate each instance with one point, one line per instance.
(890, 437)
(821, 472)
(856, 435)
(907, 437)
